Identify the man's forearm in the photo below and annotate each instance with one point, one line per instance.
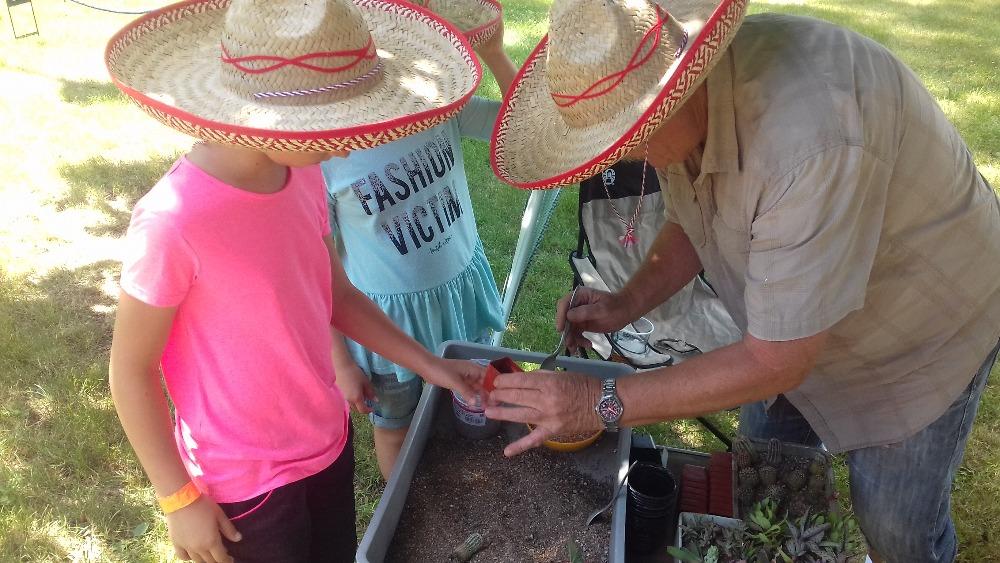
(744, 372)
(670, 264)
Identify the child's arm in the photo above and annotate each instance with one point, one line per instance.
(140, 336)
(493, 55)
(362, 321)
(351, 380)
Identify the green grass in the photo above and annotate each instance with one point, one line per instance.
(75, 158)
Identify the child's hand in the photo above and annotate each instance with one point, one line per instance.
(458, 375)
(195, 532)
(355, 386)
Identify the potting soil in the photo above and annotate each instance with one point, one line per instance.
(528, 507)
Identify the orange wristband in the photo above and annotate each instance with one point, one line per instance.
(183, 497)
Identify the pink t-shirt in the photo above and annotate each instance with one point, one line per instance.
(247, 364)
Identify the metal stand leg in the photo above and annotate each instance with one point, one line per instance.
(716, 432)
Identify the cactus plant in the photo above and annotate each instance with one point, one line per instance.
(748, 477)
(795, 479)
(775, 492)
(743, 450)
(773, 455)
(817, 467)
(817, 483)
(768, 475)
(798, 505)
(467, 549)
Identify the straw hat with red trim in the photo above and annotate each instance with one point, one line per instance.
(323, 75)
(605, 77)
(477, 19)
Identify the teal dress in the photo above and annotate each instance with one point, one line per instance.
(403, 217)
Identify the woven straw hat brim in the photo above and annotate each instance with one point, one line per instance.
(481, 28)
(168, 63)
(534, 148)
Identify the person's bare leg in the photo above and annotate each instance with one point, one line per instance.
(388, 442)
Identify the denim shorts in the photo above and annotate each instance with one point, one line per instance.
(396, 401)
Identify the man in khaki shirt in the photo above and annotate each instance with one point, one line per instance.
(842, 221)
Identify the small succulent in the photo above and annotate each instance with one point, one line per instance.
(744, 452)
(798, 505)
(768, 475)
(817, 467)
(746, 495)
(749, 477)
(817, 483)
(468, 549)
(773, 454)
(795, 479)
(805, 538)
(775, 492)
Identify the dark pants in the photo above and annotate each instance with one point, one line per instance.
(309, 521)
(901, 492)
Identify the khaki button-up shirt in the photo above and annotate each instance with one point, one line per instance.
(833, 194)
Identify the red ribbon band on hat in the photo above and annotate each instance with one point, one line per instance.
(612, 81)
(364, 53)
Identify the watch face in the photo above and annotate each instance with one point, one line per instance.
(610, 409)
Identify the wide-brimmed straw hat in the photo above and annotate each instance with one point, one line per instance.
(322, 75)
(477, 19)
(605, 77)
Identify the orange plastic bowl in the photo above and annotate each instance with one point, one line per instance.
(568, 447)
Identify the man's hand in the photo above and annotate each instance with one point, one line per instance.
(355, 386)
(593, 311)
(462, 376)
(554, 403)
(197, 529)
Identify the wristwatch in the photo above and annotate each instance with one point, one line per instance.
(609, 406)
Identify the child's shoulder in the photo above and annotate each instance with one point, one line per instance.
(170, 198)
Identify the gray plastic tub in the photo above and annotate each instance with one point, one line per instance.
(606, 459)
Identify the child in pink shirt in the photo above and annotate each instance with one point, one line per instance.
(230, 274)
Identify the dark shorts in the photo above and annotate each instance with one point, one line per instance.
(309, 520)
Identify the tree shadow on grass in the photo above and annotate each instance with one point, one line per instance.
(69, 473)
(111, 187)
(88, 92)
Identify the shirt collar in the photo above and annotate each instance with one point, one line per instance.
(722, 151)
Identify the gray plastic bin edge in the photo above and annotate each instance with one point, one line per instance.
(375, 542)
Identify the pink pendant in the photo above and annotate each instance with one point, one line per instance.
(628, 239)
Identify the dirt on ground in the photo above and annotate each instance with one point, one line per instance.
(528, 508)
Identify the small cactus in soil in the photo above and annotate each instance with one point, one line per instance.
(798, 505)
(467, 549)
(795, 479)
(775, 492)
(768, 475)
(746, 495)
(817, 483)
(817, 467)
(744, 460)
(749, 477)
(773, 455)
(744, 452)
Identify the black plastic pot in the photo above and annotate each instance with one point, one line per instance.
(652, 502)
